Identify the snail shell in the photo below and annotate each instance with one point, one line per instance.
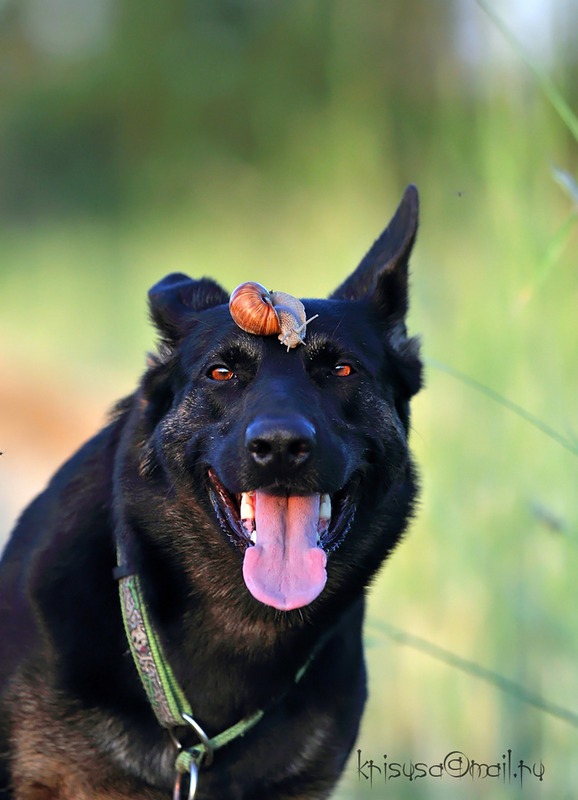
(258, 311)
(252, 309)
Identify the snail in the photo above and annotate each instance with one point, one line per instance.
(256, 310)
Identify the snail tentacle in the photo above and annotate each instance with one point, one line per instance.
(294, 336)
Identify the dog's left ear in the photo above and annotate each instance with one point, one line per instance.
(174, 300)
(382, 275)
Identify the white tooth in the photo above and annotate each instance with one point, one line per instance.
(325, 507)
(247, 508)
(254, 537)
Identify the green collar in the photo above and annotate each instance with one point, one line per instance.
(164, 694)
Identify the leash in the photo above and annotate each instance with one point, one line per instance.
(164, 693)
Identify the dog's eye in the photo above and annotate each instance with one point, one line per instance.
(220, 374)
(342, 370)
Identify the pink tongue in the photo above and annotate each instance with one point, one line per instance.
(285, 569)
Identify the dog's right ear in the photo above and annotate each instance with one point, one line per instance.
(382, 276)
(382, 279)
(175, 299)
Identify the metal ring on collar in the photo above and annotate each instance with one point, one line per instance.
(205, 741)
(193, 781)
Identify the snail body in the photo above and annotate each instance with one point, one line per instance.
(261, 312)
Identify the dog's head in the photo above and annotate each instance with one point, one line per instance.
(293, 463)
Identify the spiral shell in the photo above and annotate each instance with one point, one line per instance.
(258, 311)
(252, 309)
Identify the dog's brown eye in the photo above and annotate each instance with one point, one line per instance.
(221, 374)
(342, 370)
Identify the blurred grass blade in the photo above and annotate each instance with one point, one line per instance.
(555, 249)
(560, 239)
(547, 85)
(503, 401)
(567, 182)
(471, 668)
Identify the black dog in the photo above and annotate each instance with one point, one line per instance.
(250, 491)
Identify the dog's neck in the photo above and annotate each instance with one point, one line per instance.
(233, 643)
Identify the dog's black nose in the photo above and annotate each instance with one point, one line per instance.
(285, 442)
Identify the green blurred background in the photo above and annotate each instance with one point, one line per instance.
(271, 140)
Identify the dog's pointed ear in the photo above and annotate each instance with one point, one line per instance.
(174, 300)
(382, 276)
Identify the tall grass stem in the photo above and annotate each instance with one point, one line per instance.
(471, 668)
(546, 84)
(503, 401)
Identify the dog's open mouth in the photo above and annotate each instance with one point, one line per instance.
(286, 538)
